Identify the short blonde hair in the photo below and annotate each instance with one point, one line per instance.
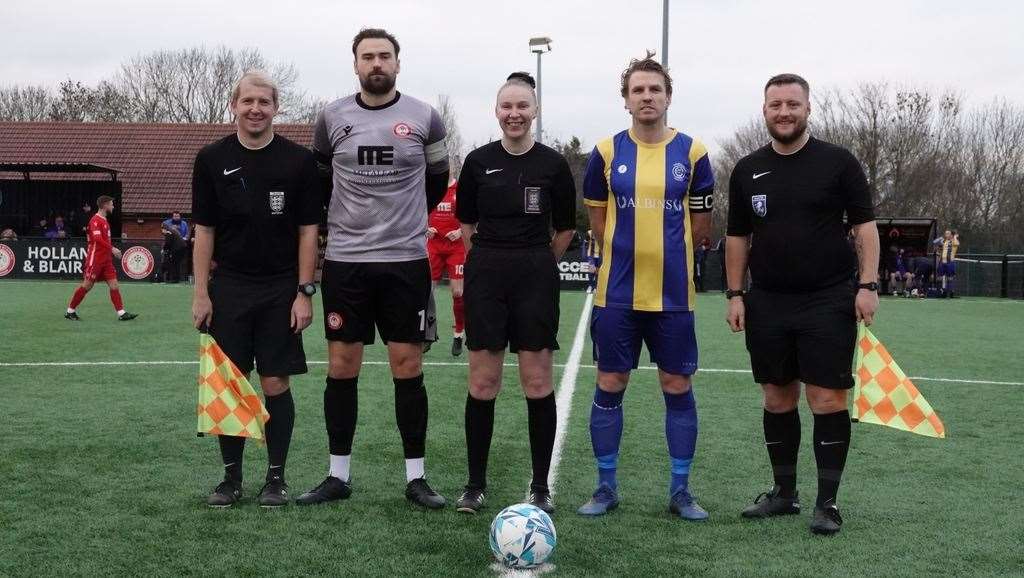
(256, 78)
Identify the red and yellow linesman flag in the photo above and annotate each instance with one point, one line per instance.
(228, 405)
(883, 394)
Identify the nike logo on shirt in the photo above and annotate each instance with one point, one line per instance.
(489, 171)
(227, 172)
(759, 175)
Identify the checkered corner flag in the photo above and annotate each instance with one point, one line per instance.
(884, 395)
(228, 405)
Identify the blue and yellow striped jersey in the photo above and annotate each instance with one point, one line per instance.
(649, 191)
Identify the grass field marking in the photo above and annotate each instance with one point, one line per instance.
(563, 403)
(566, 388)
(451, 363)
(503, 570)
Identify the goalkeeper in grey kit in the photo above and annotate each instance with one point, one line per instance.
(386, 154)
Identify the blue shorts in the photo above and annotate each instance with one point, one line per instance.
(947, 269)
(619, 333)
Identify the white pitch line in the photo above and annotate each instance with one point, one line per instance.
(563, 402)
(446, 364)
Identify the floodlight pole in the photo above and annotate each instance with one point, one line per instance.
(539, 45)
(664, 34)
(540, 110)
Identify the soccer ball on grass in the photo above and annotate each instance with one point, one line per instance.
(522, 536)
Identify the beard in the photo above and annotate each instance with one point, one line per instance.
(799, 128)
(377, 83)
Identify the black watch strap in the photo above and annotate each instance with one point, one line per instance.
(872, 286)
(729, 293)
(307, 289)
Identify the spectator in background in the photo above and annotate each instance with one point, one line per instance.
(900, 277)
(700, 258)
(58, 230)
(173, 253)
(82, 228)
(923, 269)
(178, 223)
(8, 235)
(948, 244)
(41, 228)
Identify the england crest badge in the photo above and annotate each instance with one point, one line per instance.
(759, 204)
(276, 202)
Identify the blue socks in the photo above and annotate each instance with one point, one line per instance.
(681, 434)
(606, 433)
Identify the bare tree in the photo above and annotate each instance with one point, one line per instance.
(25, 103)
(451, 128)
(194, 85)
(923, 156)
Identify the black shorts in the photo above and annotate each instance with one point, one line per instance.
(511, 298)
(252, 319)
(391, 296)
(806, 336)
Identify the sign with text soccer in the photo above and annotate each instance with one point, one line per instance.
(573, 272)
(64, 259)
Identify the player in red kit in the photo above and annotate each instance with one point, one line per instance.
(99, 263)
(446, 251)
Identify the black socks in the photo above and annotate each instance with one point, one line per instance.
(543, 421)
(340, 412)
(479, 428)
(782, 440)
(411, 413)
(831, 444)
(281, 408)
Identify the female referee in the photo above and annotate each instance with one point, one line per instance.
(512, 193)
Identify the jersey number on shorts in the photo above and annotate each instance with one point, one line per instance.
(423, 319)
(458, 269)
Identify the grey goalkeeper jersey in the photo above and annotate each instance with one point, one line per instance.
(379, 158)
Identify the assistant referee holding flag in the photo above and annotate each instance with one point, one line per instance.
(256, 204)
(787, 200)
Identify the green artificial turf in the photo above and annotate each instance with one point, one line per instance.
(105, 475)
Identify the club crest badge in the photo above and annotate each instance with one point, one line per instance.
(276, 202)
(759, 204)
(679, 172)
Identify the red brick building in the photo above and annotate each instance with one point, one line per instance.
(153, 161)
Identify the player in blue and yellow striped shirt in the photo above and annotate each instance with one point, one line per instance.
(648, 191)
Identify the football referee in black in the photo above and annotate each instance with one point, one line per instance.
(512, 193)
(256, 205)
(787, 201)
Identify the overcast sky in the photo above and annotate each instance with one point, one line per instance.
(720, 53)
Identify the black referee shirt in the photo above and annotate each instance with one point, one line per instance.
(256, 200)
(793, 205)
(515, 200)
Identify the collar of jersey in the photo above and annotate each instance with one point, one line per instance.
(673, 133)
(359, 101)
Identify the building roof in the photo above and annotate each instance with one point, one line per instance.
(153, 161)
(56, 168)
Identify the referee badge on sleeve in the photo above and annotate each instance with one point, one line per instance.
(759, 204)
(276, 202)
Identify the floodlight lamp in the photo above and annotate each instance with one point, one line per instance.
(540, 44)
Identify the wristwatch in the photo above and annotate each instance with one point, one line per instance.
(729, 293)
(307, 289)
(872, 286)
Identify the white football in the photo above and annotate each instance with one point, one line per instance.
(522, 536)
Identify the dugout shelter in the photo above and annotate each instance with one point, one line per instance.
(30, 191)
